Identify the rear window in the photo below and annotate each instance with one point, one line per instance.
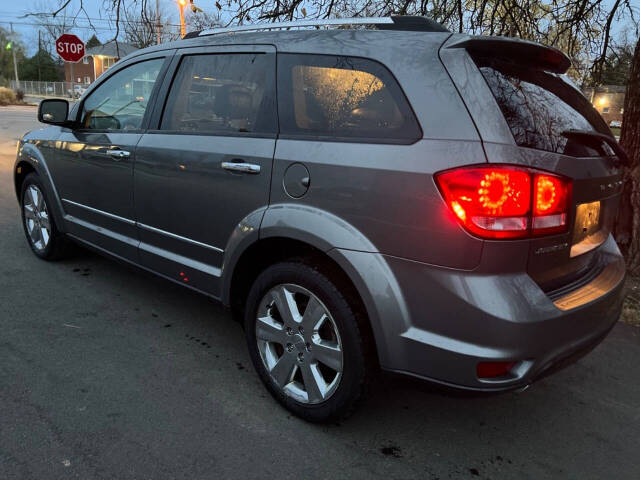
(342, 98)
(540, 106)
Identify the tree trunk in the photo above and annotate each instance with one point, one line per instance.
(627, 228)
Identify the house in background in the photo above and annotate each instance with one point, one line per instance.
(96, 61)
(608, 100)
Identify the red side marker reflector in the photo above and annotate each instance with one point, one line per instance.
(494, 369)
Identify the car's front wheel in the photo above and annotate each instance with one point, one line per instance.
(305, 341)
(43, 236)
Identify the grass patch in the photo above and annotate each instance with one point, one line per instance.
(7, 96)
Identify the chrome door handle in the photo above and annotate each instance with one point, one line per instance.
(118, 154)
(241, 167)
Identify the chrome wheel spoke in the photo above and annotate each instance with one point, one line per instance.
(313, 316)
(270, 331)
(29, 212)
(286, 305)
(314, 384)
(284, 369)
(44, 220)
(33, 193)
(44, 235)
(328, 353)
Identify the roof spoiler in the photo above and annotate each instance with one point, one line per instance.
(547, 58)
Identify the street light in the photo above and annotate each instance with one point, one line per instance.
(183, 30)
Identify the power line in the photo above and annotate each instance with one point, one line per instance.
(71, 27)
(82, 18)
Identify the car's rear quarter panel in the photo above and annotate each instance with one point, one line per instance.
(387, 191)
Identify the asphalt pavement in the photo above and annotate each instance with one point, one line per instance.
(110, 373)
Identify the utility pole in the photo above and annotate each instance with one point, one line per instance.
(39, 47)
(15, 64)
(158, 26)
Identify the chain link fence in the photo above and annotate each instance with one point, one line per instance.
(50, 89)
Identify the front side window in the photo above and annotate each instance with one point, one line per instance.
(121, 101)
(222, 94)
(342, 98)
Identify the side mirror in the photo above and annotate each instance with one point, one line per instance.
(53, 111)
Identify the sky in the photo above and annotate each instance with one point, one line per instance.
(13, 11)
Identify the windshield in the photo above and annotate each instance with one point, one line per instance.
(540, 107)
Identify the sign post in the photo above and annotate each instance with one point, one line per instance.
(71, 49)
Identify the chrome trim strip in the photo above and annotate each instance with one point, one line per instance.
(103, 231)
(178, 237)
(299, 24)
(180, 259)
(146, 227)
(95, 210)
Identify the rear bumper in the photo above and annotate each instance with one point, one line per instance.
(452, 320)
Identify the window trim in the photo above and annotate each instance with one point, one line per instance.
(166, 55)
(352, 139)
(163, 96)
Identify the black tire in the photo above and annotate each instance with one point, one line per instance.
(58, 245)
(355, 365)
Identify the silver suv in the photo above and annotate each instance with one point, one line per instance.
(382, 195)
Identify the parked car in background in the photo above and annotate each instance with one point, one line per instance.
(615, 124)
(430, 213)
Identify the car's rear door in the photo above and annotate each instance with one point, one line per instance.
(205, 163)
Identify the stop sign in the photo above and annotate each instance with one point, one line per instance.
(70, 47)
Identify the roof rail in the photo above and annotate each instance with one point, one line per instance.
(412, 23)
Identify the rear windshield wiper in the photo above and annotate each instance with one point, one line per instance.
(591, 136)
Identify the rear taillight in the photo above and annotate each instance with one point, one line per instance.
(551, 196)
(506, 201)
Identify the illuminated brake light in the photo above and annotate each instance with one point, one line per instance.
(551, 203)
(490, 202)
(506, 201)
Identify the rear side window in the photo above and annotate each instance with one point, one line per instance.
(540, 107)
(342, 98)
(222, 94)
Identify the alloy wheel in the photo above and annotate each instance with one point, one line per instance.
(36, 218)
(299, 343)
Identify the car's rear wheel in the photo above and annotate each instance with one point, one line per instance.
(43, 236)
(305, 341)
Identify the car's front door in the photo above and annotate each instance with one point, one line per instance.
(93, 165)
(207, 163)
